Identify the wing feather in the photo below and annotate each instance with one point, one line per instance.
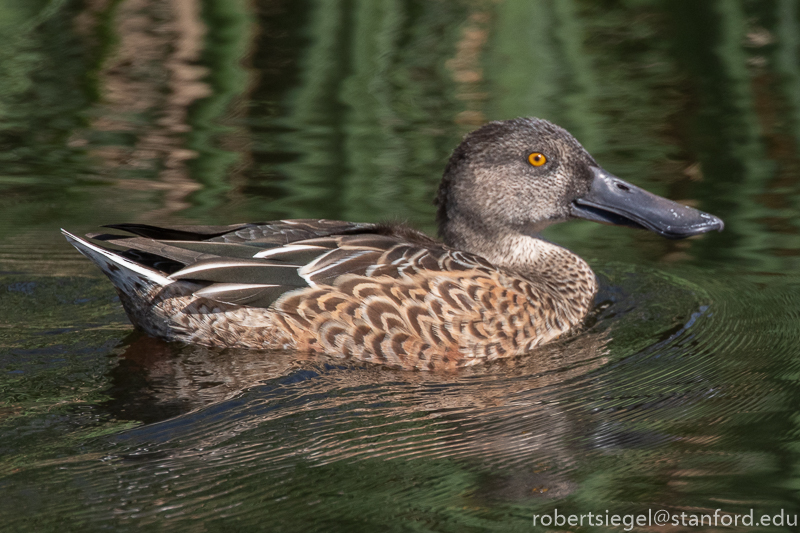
(256, 264)
(253, 295)
(242, 271)
(158, 248)
(180, 233)
(284, 232)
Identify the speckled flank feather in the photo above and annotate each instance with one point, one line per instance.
(424, 308)
(369, 296)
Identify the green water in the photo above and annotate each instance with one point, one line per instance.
(681, 394)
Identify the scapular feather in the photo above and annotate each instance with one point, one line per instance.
(180, 233)
(231, 270)
(239, 294)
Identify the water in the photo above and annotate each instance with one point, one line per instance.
(680, 394)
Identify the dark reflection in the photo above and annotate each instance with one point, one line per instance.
(155, 380)
(325, 411)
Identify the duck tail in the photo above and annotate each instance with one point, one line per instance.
(132, 279)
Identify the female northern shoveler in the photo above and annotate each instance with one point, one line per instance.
(387, 293)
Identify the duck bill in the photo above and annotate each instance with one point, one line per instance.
(614, 201)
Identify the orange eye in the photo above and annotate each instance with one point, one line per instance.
(537, 159)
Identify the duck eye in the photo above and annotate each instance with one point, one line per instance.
(537, 159)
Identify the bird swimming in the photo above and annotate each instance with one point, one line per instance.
(386, 293)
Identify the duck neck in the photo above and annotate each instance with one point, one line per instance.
(531, 256)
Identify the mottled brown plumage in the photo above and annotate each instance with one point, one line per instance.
(387, 293)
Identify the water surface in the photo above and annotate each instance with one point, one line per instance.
(680, 393)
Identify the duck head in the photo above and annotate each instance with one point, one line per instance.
(520, 176)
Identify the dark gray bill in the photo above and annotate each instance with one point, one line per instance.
(614, 201)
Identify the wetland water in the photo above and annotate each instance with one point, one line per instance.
(680, 394)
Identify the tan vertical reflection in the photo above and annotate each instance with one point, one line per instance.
(465, 66)
(147, 84)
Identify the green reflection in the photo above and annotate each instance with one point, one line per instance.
(216, 124)
(371, 133)
(42, 93)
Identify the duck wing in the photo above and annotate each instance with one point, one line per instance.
(277, 232)
(255, 264)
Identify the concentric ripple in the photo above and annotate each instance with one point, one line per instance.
(665, 369)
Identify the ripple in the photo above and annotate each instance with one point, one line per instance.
(665, 368)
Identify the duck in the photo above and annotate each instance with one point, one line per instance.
(491, 288)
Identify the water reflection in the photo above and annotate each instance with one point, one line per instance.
(682, 393)
(320, 417)
(228, 111)
(147, 82)
(240, 433)
(153, 375)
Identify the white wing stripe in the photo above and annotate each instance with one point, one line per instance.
(224, 287)
(221, 264)
(286, 250)
(84, 246)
